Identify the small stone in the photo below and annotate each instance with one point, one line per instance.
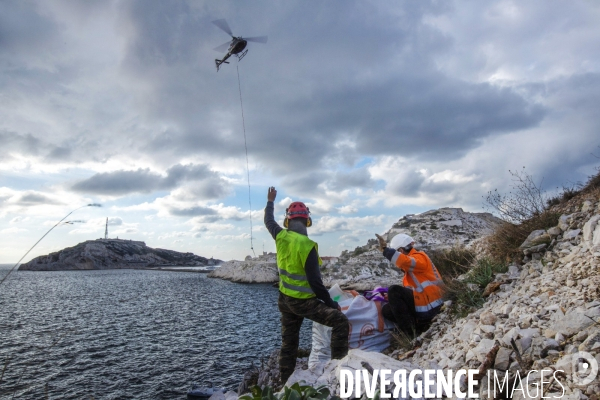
(532, 236)
(585, 282)
(549, 333)
(555, 231)
(565, 364)
(525, 322)
(524, 344)
(502, 361)
(563, 222)
(591, 342)
(587, 206)
(571, 234)
(488, 318)
(580, 336)
(467, 330)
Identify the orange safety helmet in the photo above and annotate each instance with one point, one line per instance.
(297, 210)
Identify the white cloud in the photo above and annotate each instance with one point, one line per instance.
(13, 230)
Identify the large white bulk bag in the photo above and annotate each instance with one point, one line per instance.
(369, 331)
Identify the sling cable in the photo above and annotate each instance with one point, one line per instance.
(247, 163)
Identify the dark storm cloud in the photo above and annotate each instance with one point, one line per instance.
(361, 178)
(578, 96)
(324, 77)
(192, 211)
(409, 184)
(144, 181)
(120, 183)
(33, 199)
(59, 153)
(14, 142)
(305, 183)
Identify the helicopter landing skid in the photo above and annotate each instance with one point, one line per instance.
(241, 55)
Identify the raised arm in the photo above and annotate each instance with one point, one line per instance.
(272, 226)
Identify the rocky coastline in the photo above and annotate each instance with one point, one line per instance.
(542, 314)
(113, 254)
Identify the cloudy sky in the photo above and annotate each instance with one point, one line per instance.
(365, 110)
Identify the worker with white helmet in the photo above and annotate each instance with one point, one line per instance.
(420, 298)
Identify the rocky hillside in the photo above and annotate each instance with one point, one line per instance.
(444, 228)
(365, 268)
(549, 306)
(113, 254)
(541, 315)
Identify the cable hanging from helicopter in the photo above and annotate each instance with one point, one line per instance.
(236, 47)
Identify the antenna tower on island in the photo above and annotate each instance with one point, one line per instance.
(106, 229)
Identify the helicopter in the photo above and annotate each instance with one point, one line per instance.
(236, 46)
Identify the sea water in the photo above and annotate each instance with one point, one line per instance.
(124, 334)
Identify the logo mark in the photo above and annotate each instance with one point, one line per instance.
(585, 368)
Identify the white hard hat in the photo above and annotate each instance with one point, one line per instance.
(400, 240)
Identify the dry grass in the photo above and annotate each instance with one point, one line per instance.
(466, 292)
(502, 245)
(401, 340)
(452, 262)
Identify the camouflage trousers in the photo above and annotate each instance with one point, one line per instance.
(293, 311)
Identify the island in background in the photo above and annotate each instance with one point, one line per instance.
(114, 254)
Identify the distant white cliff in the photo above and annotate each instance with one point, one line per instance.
(261, 269)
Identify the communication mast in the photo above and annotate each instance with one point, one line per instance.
(106, 229)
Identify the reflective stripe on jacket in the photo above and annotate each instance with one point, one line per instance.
(422, 277)
(292, 252)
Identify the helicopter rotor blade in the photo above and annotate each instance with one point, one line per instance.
(222, 47)
(221, 23)
(258, 39)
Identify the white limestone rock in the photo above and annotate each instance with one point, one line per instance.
(262, 269)
(589, 227)
(574, 321)
(563, 222)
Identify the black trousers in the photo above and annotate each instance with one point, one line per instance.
(293, 311)
(401, 309)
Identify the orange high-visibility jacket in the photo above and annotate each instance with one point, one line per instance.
(422, 277)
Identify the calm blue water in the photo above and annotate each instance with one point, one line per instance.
(121, 334)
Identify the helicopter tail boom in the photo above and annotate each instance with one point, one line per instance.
(219, 62)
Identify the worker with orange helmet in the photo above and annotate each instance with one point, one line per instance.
(301, 290)
(413, 305)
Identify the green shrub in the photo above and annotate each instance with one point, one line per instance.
(484, 271)
(295, 392)
(466, 298)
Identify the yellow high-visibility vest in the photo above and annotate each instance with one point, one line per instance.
(292, 252)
